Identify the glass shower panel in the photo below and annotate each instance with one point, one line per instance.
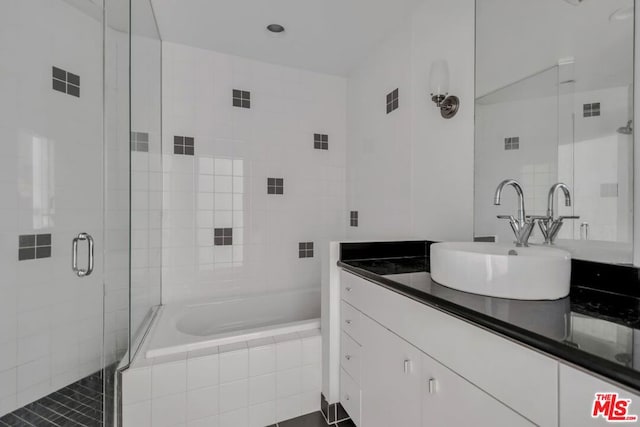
(51, 181)
(146, 169)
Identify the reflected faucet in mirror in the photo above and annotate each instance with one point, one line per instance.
(521, 225)
(550, 226)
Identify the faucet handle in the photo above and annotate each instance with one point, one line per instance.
(568, 217)
(509, 217)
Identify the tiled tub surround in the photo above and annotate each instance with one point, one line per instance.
(252, 383)
(255, 171)
(593, 328)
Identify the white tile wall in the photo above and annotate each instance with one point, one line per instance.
(262, 382)
(420, 164)
(224, 184)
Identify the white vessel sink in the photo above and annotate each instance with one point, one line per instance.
(502, 270)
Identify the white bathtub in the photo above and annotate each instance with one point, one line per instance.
(182, 328)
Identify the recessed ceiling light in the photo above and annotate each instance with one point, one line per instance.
(275, 28)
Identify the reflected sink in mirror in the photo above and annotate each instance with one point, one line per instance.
(502, 270)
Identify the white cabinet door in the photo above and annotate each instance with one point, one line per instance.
(390, 378)
(577, 394)
(450, 400)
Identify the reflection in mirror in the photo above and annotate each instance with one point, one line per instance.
(554, 103)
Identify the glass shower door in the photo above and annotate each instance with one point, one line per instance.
(52, 217)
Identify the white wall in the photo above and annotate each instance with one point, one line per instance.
(225, 183)
(410, 173)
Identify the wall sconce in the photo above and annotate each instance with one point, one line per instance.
(439, 83)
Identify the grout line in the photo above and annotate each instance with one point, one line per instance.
(74, 410)
(41, 417)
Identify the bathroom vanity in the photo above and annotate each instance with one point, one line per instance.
(415, 353)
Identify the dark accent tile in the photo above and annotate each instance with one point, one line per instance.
(320, 141)
(305, 250)
(178, 140)
(59, 73)
(314, 419)
(74, 79)
(275, 185)
(392, 100)
(189, 151)
(43, 240)
(178, 149)
(142, 137)
(59, 86)
(142, 146)
(241, 98)
(188, 141)
(26, 254)
(26, 240)
(73, 90)
(223, 236)
(43, 252)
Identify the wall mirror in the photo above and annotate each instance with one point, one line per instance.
(554, 103)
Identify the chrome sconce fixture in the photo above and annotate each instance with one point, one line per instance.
(439, 83)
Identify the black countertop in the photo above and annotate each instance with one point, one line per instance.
(590, 328)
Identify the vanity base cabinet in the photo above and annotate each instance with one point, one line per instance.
(450, 400)
(390, 379)
(577, 394)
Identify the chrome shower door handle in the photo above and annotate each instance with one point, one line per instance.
(74, 255)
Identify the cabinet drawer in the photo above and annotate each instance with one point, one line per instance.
(350, 320)
(352, 289)
(350, 356)
(350, 396)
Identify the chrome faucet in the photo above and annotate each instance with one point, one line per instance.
(521, 226)
(550, 226)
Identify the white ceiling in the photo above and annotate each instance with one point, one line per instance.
(517, 38)
(328, 36)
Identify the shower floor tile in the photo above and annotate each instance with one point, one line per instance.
(77, 405)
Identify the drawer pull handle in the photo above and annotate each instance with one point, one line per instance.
(348, 322)
(348, 289)
(407, 366)
(348, 357)
(432, 386)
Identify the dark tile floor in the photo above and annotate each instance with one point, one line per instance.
(314, 419)
(77, 405)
